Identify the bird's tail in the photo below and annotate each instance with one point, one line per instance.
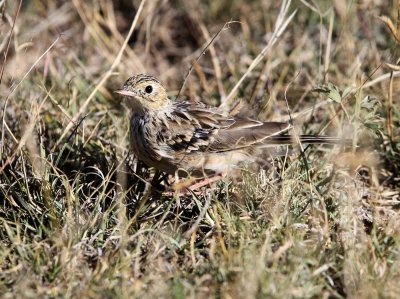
(307, 139)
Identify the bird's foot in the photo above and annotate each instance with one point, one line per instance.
(190, 186)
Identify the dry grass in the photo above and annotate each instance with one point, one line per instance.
(76, 219)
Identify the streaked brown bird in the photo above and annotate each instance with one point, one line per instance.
(191, 139)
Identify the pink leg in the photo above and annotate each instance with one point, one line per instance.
(205, 182)
(187, 186)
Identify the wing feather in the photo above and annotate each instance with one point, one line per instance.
(193, 128)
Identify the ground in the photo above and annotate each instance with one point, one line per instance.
(77, 216)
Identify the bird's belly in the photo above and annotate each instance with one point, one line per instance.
(205, 164)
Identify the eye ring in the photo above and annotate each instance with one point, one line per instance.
(148, 89)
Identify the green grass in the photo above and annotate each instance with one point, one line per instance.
(76, 217)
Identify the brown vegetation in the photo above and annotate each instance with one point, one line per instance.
(76, 219)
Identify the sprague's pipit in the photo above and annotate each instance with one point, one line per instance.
(190, 139)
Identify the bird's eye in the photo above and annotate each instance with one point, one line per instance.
(148, 89)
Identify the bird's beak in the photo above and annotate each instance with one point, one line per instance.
(125, 92)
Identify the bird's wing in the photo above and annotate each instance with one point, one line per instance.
(190, 128)
(194, 128)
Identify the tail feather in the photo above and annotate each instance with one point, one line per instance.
(309, 139)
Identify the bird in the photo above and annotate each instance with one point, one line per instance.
(189, 139)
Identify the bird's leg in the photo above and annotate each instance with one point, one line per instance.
(205, 182)
(190, 185)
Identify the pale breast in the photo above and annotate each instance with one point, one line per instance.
(145, 146)
(140, 141)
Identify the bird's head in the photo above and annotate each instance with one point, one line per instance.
(144, 94)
